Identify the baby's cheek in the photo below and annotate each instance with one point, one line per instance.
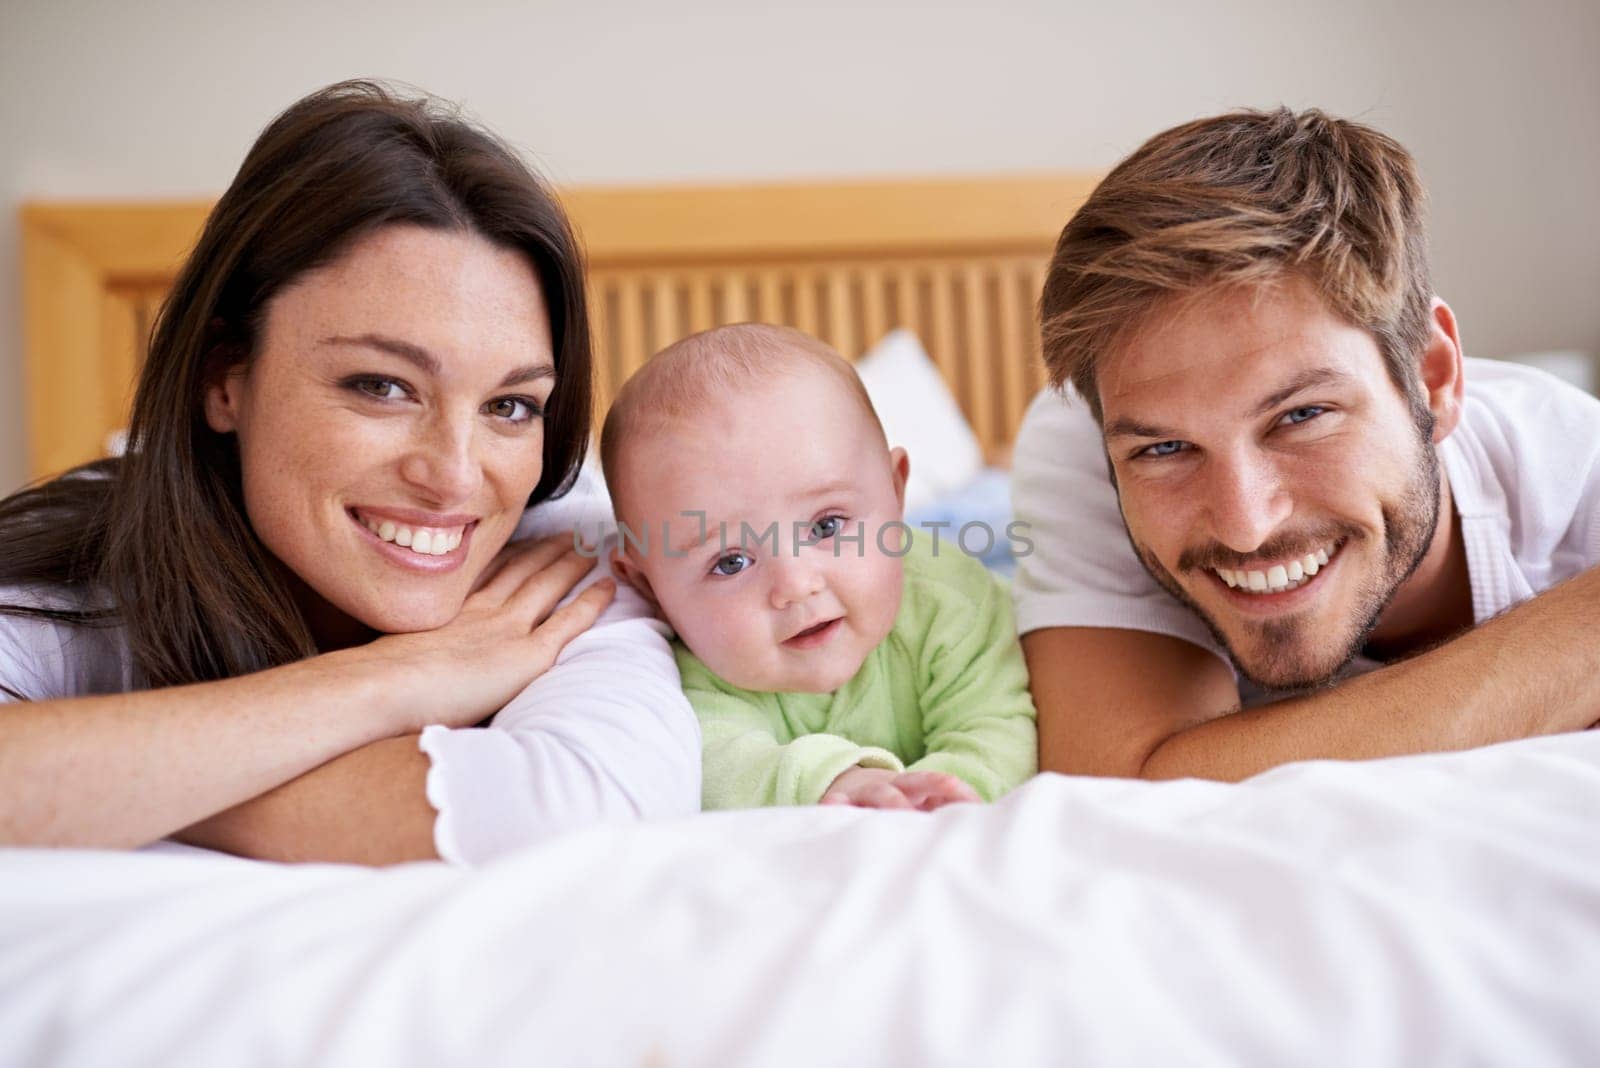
(716, 636)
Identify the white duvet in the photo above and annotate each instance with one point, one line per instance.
(1427, 911)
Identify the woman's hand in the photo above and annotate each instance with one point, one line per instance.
(507, 633)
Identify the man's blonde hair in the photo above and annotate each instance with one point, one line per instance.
(688, 375)
(1244, 199)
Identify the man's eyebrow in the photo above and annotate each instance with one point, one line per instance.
(427, 362)
(1132, 428)
(1315, 376)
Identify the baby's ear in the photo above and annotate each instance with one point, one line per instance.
(631, 573)
(901, 465)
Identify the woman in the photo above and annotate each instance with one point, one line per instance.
(269, 626)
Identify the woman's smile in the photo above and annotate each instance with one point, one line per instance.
(434, 547)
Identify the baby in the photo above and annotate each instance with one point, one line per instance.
(831, 654)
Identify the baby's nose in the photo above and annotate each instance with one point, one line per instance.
(795, 580)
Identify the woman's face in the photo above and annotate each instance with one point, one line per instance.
(390, 425)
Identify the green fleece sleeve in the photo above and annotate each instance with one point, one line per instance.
(978, 717)
(750, 760)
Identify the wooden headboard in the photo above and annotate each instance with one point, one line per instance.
(958, 261)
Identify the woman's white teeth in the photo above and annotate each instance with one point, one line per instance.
(424, 542)
(1279, 578)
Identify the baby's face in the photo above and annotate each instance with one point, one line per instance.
(770, 611)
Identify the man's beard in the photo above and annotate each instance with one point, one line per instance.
(1288, 653)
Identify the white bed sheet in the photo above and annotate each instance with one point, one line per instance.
(1427, 911)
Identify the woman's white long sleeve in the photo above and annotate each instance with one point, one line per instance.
(605, 735)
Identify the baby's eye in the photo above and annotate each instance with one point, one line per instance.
(731, 564)
(826, 527)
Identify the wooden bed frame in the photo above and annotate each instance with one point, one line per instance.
(958, 261)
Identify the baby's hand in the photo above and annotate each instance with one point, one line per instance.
(882, 788)
(928, 790)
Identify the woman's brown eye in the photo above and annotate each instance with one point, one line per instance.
(516, 409)
(381, 388)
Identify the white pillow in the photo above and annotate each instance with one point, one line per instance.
(920, 414)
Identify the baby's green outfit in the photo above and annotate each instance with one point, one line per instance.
(947, 691)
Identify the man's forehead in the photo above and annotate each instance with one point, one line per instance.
(1229, 351)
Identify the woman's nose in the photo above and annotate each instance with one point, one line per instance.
(442, 462)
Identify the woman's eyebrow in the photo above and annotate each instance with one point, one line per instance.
(427, 362)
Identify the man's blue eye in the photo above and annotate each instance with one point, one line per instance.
(826, 527)
(1164, 448)
(731, 564)
(1301, 415)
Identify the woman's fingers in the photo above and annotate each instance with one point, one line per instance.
(542, 590)
(519, 559)
(569, 621)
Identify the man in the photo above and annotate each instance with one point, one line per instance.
(1273, 481)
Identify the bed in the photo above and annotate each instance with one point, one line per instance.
(1440, 910)
(1428, 910)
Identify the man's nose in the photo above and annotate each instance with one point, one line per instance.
(794, 579)
(442, 460)
(1248, 500)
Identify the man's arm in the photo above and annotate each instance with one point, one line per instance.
(1130, 704)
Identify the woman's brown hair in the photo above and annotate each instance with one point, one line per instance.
(158, 539)
(1244, 199)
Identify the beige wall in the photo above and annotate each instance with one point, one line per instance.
(1500, 102)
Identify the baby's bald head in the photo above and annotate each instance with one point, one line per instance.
(689, 380)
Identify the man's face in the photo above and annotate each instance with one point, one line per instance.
(1271, 474)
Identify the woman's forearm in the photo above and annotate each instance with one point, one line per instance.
(126, 769)
(365, 807)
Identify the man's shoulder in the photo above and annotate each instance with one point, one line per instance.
(1524, 465)
(1058, 427)
(1524, 433)
(1527, 402)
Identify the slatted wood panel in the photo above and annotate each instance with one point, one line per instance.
(974, 314)
(958, 261)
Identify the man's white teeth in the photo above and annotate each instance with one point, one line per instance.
(1279, 578)
(424, 542)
